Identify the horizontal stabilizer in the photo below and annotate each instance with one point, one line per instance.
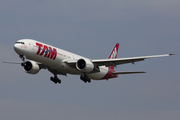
(129, 72)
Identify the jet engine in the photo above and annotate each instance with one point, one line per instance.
(85, 65)
(31, 67)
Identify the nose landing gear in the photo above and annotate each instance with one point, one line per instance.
(22, 57)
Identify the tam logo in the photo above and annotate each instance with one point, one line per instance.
(114, 54)
(48, 51)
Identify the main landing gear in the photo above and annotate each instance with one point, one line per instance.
(55, 79)
(85, 78)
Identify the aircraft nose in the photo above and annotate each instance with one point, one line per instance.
(17, 49)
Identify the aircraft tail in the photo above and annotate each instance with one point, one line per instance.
(114, 53)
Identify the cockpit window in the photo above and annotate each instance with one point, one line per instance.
(20, 42)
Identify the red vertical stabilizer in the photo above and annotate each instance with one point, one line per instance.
(114, 54)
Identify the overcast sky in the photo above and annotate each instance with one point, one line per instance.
(91, 29)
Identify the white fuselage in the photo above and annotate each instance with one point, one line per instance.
(42, 53)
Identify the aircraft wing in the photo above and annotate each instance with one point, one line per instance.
(12, 62)
(119, 61)
(42, 66)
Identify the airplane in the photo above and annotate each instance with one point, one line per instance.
(61, 62)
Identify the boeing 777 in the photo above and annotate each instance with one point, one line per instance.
(61, 62)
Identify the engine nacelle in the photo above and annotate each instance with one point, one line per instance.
(31, 67)
(85, 65)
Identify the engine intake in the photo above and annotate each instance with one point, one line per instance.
(85, 65)
(31, 67)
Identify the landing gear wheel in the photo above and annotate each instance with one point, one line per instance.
(89, 80)
(23, 64)
(59, 81)
(55, 80)
(85, 79)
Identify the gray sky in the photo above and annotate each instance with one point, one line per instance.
(91, 28)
